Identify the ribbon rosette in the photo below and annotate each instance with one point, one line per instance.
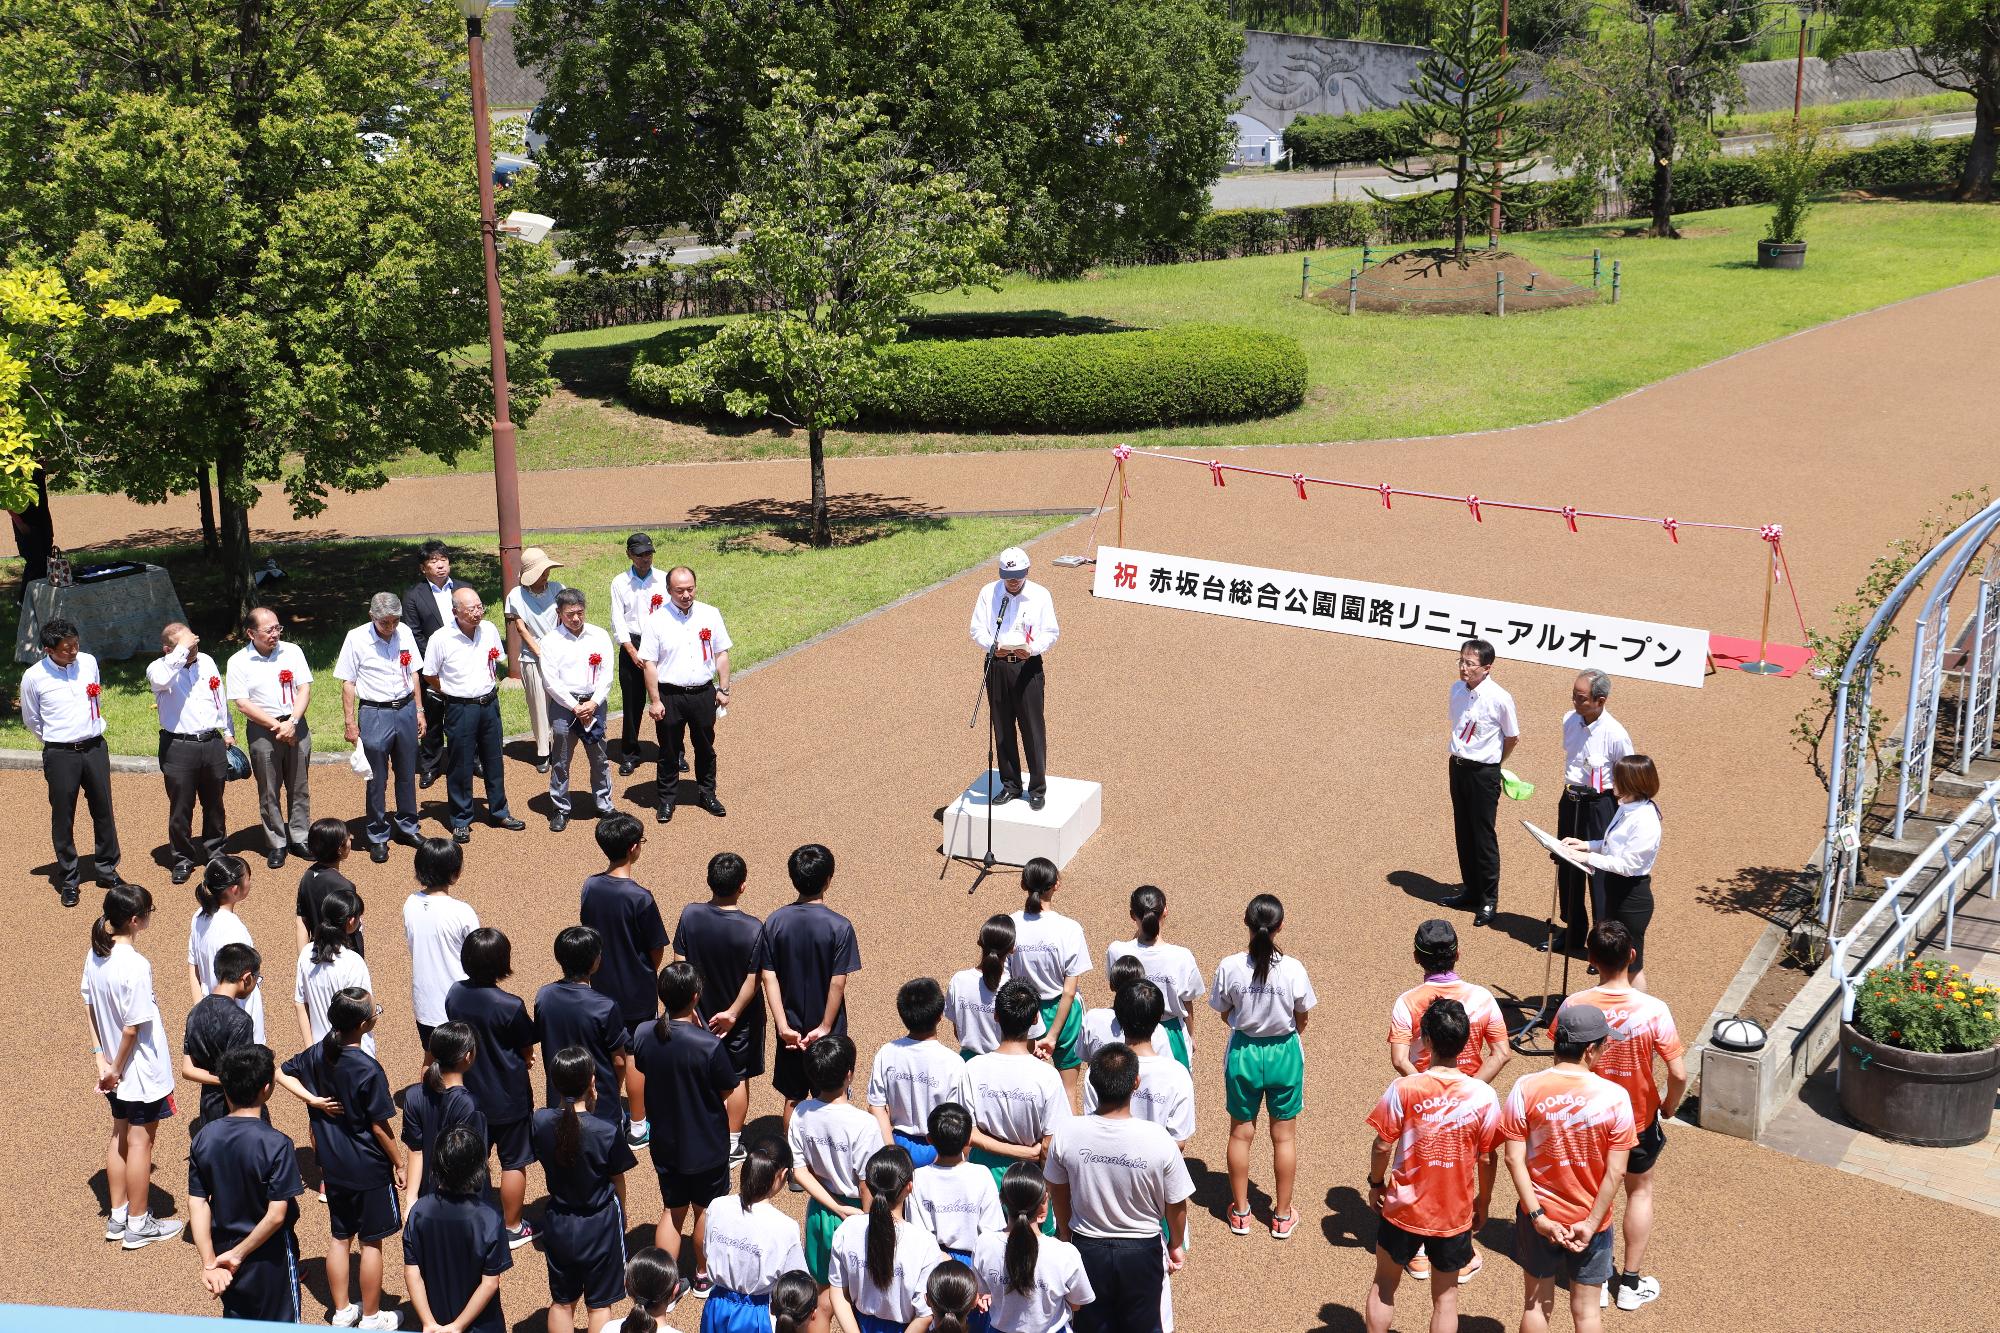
(493, 662)
(93, 690)
(596, 661)
(285, 685)
(403, 659)
(657, 601)
(704, 645)
(1772, 532)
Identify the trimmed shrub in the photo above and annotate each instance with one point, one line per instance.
(1363, 136)
(1238, 231)
(1726, 182)
(1341, 223)
(642, 295)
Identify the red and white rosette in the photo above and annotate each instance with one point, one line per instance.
(704, 646)
(596, 661)
(93, 691)
(285, 687)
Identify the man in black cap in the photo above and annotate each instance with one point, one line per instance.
(1014, 623)
(636, 593)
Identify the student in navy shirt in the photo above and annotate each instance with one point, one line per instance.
(583, 1227)
(720, 939)
(219, 1024)
(686, 1082)
(498, 1076)
(361, 1168)
(439, 1102)
(243, 1181)
(571, 1012)
(622, 912)
(805, 953)
(454, 1245)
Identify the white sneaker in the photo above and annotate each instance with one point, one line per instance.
(382, 1319)
(1644, 1290)
(1604, 1294)
(347, 1316)
(139, 1237)
(114, 1228)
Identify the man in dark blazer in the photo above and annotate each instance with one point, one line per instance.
(426, 610)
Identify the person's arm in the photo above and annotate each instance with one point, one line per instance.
(413, 1176)
(324, 1105)
(1300, 1017)
(393, 1150)
(655, 708)
(1380, 1154)
(305, 1022)
(1399, 1057)
(1496, 1056)
(161, 670)
(1002, 1148)
(1607, 1193)
(194, 983)
(881, 1114)
(520, 624)
(267, 1226)
(819, 1191)
(843, 1312)
(254, 712)
(1177, 1236)
(214, 1280)
(1061, 1021)
(1488, 1169)
(1059, 1204)
(350, 727)
(836, 995)
(722, 1022)
(1507, 744)
(302, 690)
(111, 1072)
(420, 1300)
(1677, 1086)
(1524, 1187)
(194, 1073)
(775, 1003)
(31, 704)
(475, 1304)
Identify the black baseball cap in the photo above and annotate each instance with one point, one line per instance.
(638, 544)
(1437, 939)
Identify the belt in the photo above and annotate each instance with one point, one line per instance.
(634, 638)
(688, 689)
(1474, 763)
(1575, 793)
(583, 698)
(385, 703)
(78, 746)
(480, 702)
(211, 734)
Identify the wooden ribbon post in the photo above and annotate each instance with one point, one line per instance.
(1121, 453)
(1771, 533)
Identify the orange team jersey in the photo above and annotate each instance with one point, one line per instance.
(1641, 1027)
(1489, 1030)
(1442, 1123)
(1572, 1121)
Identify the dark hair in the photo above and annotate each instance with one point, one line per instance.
(1015, 1009)
(223, 872)
(433, 547)
(763, 1159)
(617, 835)
(572, 1070)
(487, 957)
(461, 1161)
(1609, 947)
(1038, 877)
(1147, 904)
(950, 1126)
(996, 941)
(829, 1063)
(952, 1291)
(811, 869)
(452, 1046)
(57, 632)
(245, 1071)
(1139, 1008)
(123, 904)
(650, 1275)
(794, 1301)
(726, 873)
(1481, 647)
(920, 1004)
(346, 1013)
(233, 960)
(1125, 970)
(329, 936)
(1023, 1194)
(569, 597)
(577, 950)
(887, 1175)
(679, 986)
(1569, 1052)
(1264, 915)
(326, 837)
(1447, 1029)
(637, 1320)
(1635, 773)
(1114, 1075)
(438, 863)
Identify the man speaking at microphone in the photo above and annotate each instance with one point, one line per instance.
(1014, 622)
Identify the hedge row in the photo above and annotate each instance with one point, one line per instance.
(1362, 136)
(645, 295)
(1729, 182)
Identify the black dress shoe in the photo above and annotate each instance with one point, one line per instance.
(664, 813)
(462, 834)
(1466, 901)
(379, 853)
(684, 764)
(542, 764)
(425, 781)
(1036, 800)
(1484, 916)
(183, 871)
(627, 765)
(1006, 794)
(410, 840)
(110, 881)
(710, 804)
(69, 893)
(511, 824)
(557, 823)
(276, 860)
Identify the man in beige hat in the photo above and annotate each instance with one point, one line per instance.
(531, 609)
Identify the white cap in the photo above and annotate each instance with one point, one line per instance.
(1013, 562)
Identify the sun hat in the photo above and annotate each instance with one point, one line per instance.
(535, 562)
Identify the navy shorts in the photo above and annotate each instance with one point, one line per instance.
(141, 1113)
(266, 1289)
(1543, 1258)
(586, 1254)
(1448, 1254)
(515, 1146)
(788, 1074)
(371, 1214)
(699, 1189)
(1652, 1142)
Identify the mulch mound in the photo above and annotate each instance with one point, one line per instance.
(1431, 282)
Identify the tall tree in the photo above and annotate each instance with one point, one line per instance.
(326, 290)
(844, 229)
(1953, 43)
(1097, 124)
(1464, 98)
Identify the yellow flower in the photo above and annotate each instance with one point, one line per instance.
(1930, 976)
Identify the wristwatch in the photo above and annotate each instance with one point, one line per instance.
(1375, 1184)
(1537, 1215)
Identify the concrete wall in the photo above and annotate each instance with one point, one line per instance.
(1287, 76)
(1768, 84)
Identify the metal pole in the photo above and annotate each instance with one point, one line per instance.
(1500, 293)
(1614, 281)
(1367, 254)
(1596, 268)
(1499, 133)
(1306, 278)
(1799, 84)
(1353, 288)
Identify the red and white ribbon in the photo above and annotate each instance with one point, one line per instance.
(1472, 503)
(1673, 527)
(1299, 480)
(1569, 516)
(1386, 491)
(1215, 472)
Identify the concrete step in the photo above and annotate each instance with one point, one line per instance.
(1891, 855)
(1963, 787)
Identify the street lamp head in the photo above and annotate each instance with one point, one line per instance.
(473, 9)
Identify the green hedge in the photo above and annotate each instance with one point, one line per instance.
(1363, 136)
(1728, 182)
(644, 295)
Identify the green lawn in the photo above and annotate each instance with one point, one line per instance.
(1685, 303)
(773, 592)
(1847, 113)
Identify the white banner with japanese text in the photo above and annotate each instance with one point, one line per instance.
(1671, 654)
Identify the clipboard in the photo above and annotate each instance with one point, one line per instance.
(1557, 849)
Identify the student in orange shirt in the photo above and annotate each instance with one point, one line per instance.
(1641, 1028)
(1569, 1134)
(1486, 1048)
(1430, 1172)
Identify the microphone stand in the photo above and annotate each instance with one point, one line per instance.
(992, 777)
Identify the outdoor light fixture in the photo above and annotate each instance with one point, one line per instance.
(529, 227)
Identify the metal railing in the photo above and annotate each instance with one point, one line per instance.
(1934, 640)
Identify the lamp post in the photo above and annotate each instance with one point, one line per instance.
(506, 478)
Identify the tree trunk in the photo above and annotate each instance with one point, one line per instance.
(822, 528)
(35, 534)
(1976, 182)
(1458, 208)
(211, 540)
(1663, 180)
(238, 592)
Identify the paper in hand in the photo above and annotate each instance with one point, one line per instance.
(1556, 848)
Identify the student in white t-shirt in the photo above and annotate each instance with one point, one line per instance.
(750, 1243)
(1263, 995)
(1050, 953)
(435, 925)
(915, 1073)
(135, 1072)
(1016, 1100)
(1100, 1026)
(1165, 1094)
(831, 1140)
(953, 1199)
(880, 1260)
(1035, 1281)
(328, 966)
(1169, 966)
(968, 997)
(225, 882)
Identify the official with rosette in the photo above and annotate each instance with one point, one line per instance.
(1593, 741)
(62, 707)
(377, 671)
(578, 662)
(1015, 621)
(463, 664)
(271, 685)
(194, 749)
(684, 651)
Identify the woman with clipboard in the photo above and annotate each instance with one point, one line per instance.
(1624, 855)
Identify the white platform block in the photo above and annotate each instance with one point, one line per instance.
(1058, 830)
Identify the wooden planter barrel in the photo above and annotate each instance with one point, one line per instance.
(1935, 1101)
(1781, 254)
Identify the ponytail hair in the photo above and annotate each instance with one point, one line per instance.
(223, 873)
(762, 1161)
(346, 1014)
(680, 986)
(1147, 904)
(996, 941)
(1264, 915)
(572, 1069)
(1023, 1195)
(638, 1321)
(1038, 877)
(123, 905)
(794, 1302)
(451, 1048)
(330, 932)
(952, 1291)
(887, 1177)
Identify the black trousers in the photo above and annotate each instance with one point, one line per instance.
(1582, 895)
(632, 700)
(430, 747)
(194, 770)
(67, 772)
(1015, 690)
(1126, 1275)
(690, 713)
(1475, 800)
(1629, 898)
(474, 728)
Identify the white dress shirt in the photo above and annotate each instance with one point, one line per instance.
(1030, 616)
(374, 665)
(55, 701)
(537, 613)
(672, 641)
(188, 703)
(466, 668)
(632, 601)
(441, 596)
(1630, 844)
(566, 669)
(1479, 718)
(1589, 750)
(254, 676)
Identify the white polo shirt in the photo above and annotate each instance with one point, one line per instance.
(566, 668)
(189, 697)
(466, 668)
(910, 1079)
(381, 670)
(1031, 615)
(1589, 750)
(632, 601)
(749, 1249)
(260, 678)
(1122, 1172)
(902, 1299)
(1060, 1283)
(1015, 1098)
(673, 643)
(1171, 967)
(55, 701)
(957, 1204)
(1266, 1008)
(119, 990)
(1165, 1096)
(834, 1141)
(969, 1005)
(1049, 949)
(1479, 718)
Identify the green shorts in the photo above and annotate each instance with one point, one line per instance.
(1264, 1071)
(1065, 1055)
(998, 1165)
(820, 1226)
(1177, 1043)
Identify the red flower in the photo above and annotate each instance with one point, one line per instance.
(657, 600)
(404, 658)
